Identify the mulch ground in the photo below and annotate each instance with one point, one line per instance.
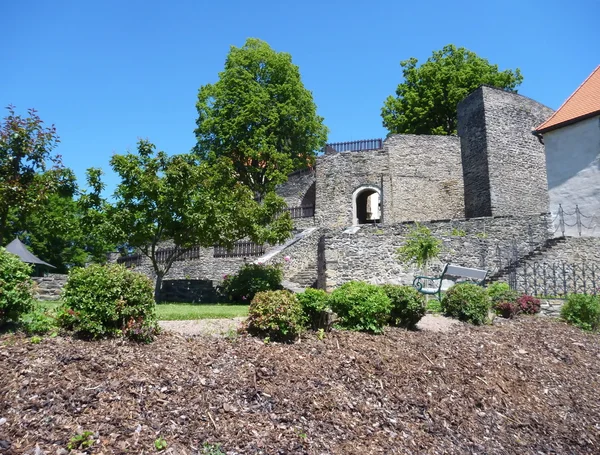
(530, 386)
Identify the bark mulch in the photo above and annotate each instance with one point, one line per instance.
(530, 386)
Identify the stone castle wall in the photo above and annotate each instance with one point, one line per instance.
(425, 178)
(504, 163)
(370, 253)
(338, 175)
(299, 190)
(420, 178)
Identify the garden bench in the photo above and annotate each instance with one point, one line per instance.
(449, 276)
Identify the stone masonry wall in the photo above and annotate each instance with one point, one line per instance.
(49, 287)
(299, 189)
(338, 175)
(425, 178)
(473, 142)
(370, 253)
(516, 163)
(420, 177)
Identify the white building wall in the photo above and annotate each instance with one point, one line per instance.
(573, 168)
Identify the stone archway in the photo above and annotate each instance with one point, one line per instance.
(366, 205)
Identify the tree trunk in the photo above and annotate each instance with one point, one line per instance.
(158, 286)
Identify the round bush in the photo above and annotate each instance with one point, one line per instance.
(408, 305)
(16, 287)
(277, 315)
(315, 303)
(361, 306)
(250, 279)
(101, 301)
(501, 292)
(582, 310)
(467, 302)
(507, 310)
(528, 304)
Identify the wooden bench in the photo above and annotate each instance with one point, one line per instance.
(450, 276)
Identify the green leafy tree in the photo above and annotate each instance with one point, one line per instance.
(425, 102)
(260, 117)
(25, 155)
(187, 202)
(64, 230)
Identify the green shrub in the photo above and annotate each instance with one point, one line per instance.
(408, 305)
(361, 306)
(467, 302)
(582, 310)
(16, 287)
(421, 246)
(249, 280)
(102, 301)
(277, 315)
(315, 303)
(37, 322)
(501, 292)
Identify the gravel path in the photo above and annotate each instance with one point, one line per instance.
(220, 327)
(212, 327)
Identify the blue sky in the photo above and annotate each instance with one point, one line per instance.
(109, 72)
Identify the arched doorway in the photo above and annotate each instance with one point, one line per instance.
(366, 205)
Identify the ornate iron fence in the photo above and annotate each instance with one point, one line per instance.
(555, 279)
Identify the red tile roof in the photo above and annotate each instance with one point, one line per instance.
(583, 103)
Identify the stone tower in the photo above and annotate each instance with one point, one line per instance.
(504, 166)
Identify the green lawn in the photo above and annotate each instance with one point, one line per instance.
(189, 311)
(184, 311)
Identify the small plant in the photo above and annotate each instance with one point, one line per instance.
(315, 306)
(507, 310)
(35, 340)
(434, 306)
(501, 292)
(276, 315)
(321, 334)
(80, 441)
(467, 302)
(408, 305)
(361, 306)
(249, 280)
(582, 310)
(458, 233)
(37, 322)
(104, 301)
(379, 232)
(420, 246)
(481, 235)
(528, 304)
(212, 449)
(16, 287)
(160, 444)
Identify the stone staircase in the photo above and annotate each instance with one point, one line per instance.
(533, 256)
(307, 277)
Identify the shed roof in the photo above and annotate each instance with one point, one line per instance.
(17, 247)
(582, 104)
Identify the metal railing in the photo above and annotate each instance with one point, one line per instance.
(354, 146)
(555, 279)
(240, 249)
(306, 211)
(581, 221)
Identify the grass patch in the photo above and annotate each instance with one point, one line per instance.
(190, 311)
(181, 311)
